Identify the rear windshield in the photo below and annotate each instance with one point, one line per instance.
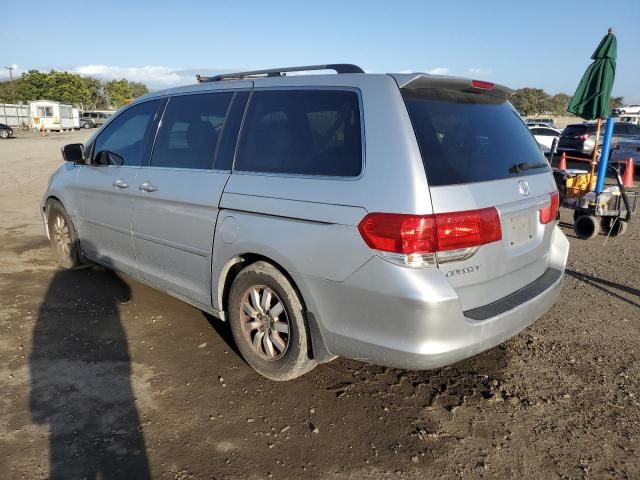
(574, 130)
(470, 137)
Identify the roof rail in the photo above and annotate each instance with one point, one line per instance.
(280, 72)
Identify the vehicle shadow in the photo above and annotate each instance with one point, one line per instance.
(81, 379)
(601, 283)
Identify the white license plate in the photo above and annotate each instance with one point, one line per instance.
(519, 230)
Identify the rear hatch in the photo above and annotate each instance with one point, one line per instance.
(479, 155)
(573, 137)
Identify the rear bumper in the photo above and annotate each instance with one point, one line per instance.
(404, 318)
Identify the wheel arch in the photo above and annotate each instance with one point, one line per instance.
(231, 270)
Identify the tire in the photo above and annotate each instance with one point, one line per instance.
(622, 112)
(63, 236)
(576, 214)
(4, 133)
(613, 226)
(586, 227)
(263, 305)
(86, 125)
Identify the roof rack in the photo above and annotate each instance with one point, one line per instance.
(280, 72)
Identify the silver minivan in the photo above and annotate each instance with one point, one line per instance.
(406, 220)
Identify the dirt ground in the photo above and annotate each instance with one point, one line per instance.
(103, 377)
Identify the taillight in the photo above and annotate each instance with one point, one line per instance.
(482, 85)
(412, 236)
(468, 229)
(550, 212)
(584, 136)
(398, 233)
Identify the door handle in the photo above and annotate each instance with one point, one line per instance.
(148, 187)
(120, 184)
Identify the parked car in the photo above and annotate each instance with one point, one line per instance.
(626, 109)
(5, 131)
(580, 138)
(406, 220)
(86, 123)
(542, 122)
(627, 149)
(93, 119)
(545, 137)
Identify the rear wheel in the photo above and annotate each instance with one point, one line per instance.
(4, 133)
(586, 227)
(63, 236)
(613, 226)
(268, 323)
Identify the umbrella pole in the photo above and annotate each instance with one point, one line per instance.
(595, 152)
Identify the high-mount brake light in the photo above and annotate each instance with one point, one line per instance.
(416, 240)
(550, 212)
(482, 85)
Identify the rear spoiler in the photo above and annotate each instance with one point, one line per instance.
(424, 80)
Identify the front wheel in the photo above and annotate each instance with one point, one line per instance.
(86, 125)
(63, 236)
(4, 133)
(268, 323)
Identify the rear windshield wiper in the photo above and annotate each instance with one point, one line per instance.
(521, 167)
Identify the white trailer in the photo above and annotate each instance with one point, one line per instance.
(51, 115)
(14, 115)
(76, 118)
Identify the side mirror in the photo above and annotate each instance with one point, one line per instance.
(73, 152)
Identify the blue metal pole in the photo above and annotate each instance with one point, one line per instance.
(604, 156)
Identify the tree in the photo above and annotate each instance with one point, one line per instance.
(121, 92)
(558, 103)
(138, 89)
(530, 101)
(616, 102)
(87, 93)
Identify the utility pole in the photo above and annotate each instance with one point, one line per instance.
(13, 87)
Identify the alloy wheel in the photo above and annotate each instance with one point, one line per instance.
(265, 322)
(62, 236)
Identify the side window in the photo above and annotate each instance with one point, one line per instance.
(304, 132)
(537, 131)
(124, 141)
(189, 130)
(229, 135)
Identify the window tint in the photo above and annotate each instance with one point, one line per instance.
(189, 131)
(229, 135)
(574, 130)
(124, 141)
(470, 137)
(302, 132)
(537, 131)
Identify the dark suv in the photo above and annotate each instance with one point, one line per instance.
(93, 119)
(581, 137)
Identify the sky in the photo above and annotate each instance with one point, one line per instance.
(542, 44)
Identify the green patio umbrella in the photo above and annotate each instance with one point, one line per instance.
(591, 99)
